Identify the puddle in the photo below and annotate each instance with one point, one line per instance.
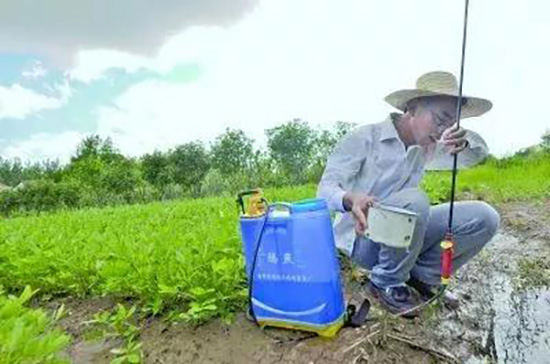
(521, 325)
(515, 322)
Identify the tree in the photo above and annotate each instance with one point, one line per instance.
(232, 152)
(13, 172)
(291, 147)
(189, 164)
(95, 146)
(325, 141)
(342, 128)
(546, 140)
(121, 177)
(99, 166)
(156, 168)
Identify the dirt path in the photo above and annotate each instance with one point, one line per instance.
(504, 318)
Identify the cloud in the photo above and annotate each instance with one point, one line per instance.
(337, 61)
(42, 146)
(91, 65)
(197, 45)
(258, 73)
(18, 102)
(59, 28)
(34, 72)
(323, 61)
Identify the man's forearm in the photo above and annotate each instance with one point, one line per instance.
(333, 194)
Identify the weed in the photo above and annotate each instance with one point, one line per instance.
(533, 272)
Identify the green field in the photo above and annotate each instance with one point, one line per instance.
(515, 178)
(183, 255)
(181, 260)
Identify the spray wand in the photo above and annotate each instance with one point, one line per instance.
(447, 245)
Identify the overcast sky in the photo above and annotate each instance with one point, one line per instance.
(152, 75)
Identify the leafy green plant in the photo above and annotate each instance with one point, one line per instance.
(120, 324)
(29, 335)
(202, 307)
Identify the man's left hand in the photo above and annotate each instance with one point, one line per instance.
(455, 137)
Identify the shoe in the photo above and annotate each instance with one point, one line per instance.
(398, 300)
(428, 291)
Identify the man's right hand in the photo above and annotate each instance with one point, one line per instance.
(358, 204)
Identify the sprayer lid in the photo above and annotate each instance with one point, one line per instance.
(311, 204)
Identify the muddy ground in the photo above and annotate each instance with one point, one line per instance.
(504, 317)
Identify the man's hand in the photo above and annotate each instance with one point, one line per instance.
(359, 204)
(456, 138)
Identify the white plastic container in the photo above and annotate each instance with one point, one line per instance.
(391, 226)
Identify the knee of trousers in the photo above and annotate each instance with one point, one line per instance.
(415, 200)
(490, 218)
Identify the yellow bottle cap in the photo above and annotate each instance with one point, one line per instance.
(446, 244)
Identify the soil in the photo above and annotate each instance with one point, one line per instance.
(501, 319)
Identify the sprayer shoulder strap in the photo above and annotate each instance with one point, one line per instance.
(357, 318)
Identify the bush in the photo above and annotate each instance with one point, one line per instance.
(172, 191)
(216, 184)
(40, 195)
(146, 193)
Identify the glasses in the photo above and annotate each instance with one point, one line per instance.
(444, 119)
(443, 123)
(447, 120)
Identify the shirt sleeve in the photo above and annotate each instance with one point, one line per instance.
(475, 152)
(342, 167)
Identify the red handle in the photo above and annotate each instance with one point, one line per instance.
(447, 250)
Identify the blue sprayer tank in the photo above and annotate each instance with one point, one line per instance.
(296, 281)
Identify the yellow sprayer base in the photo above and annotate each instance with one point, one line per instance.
(328, 331)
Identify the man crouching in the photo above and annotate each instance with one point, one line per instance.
(385, 162)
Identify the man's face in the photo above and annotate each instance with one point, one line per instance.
(432, 117)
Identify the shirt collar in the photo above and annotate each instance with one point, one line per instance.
(388, 128)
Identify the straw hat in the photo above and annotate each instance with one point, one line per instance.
(435, 84)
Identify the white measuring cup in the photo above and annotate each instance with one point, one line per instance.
(391, 226)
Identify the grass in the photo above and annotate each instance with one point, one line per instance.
(533, 272)
(514, 178)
